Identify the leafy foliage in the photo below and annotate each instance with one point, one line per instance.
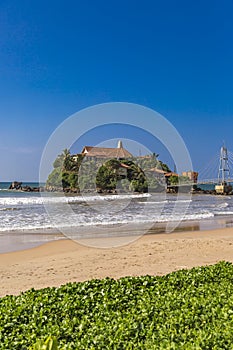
(86, 173)
(65, 172)
(147, 163)
(49, 344)
(173, 180)
(187, 309)
(55, 178)
(110, 173)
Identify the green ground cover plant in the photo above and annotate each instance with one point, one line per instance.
(187, 309)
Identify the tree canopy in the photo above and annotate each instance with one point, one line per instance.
(80, 173)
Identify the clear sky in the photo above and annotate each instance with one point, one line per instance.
(57, 57)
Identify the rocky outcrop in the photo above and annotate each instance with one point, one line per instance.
(61, 189)
(30, 189)
(198, 190)
(15, 185)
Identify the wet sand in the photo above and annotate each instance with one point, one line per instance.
(58, 262)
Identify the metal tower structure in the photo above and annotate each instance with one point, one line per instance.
(224, 169)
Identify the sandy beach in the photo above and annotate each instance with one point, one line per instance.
(62, 261)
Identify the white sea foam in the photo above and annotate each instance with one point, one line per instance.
(156, 202)
(223, 213)
(223, 205)
(25, 211)
(63, 199)
(22, 228)
(180, 201)
(77, 221)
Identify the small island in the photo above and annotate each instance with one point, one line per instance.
(108, 170)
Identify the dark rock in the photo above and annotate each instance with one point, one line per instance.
(53, 189)
(15, 185)
(35, 189)
(18, 186)
(27, 189)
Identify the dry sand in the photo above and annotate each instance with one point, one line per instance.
(62, 261)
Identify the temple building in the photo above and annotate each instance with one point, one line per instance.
(105, 152)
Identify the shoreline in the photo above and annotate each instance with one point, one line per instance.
(62, 261)
(13, 241)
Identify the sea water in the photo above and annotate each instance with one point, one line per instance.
(28, 210)
(22, 212)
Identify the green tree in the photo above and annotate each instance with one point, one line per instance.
(173, 180)
(55, 179)
(84, 173)
(109, 175)
(106, 178)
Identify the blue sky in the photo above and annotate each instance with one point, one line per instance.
(57, 57)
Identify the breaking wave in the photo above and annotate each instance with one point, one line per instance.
(63, 199)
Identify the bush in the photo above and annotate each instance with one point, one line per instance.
(187, 309)
(49, 344)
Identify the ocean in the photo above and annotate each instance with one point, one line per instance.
(28, 218)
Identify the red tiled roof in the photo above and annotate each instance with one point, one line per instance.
(171, 174)
(156, 170)
(104, 152)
